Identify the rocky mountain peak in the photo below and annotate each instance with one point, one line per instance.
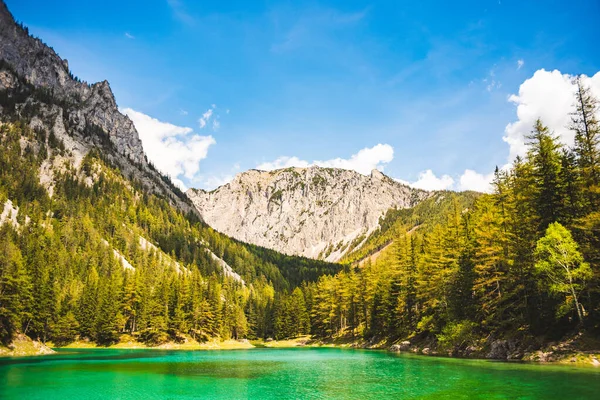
(38, 88)
(41, 67)
(103, 90)
(377, 174)
(315, 212)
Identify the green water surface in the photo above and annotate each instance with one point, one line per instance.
(323, 373)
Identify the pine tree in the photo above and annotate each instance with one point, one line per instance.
(109, 320)
(572, 188)
(491, 266)
(585, 125)
(64, 330)
(298, 314)
(88, 305)
(544, 156)
(14, 287)
(131, 301)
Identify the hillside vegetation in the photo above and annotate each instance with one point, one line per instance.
(461, 270)
(102, 257)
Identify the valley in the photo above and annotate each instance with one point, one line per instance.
(104, 256)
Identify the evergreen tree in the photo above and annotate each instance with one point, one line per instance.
(14, 287)
(585, 125)
(545, 159)
(298, 314)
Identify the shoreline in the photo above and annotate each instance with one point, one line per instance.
(25, 347)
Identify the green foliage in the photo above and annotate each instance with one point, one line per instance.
(562, 266)
(510, 261)
(457, 335)
(423, 217)
(153, 337)
(276, 196)
(65, 329)
(506, 262)
(15, 295)
(61, 279)
(290, 316)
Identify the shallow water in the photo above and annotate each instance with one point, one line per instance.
(309, 373)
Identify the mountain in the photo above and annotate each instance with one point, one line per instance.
(314, 212)
(97, 246)
(95, 243)
(38, 87)
(398, 223)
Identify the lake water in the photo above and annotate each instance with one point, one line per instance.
(323, 373)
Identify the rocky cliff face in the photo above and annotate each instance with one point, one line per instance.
(40, 66)
(314, 212)
(36, 86)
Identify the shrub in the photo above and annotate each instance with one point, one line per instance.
(456, 335)
(153, 337)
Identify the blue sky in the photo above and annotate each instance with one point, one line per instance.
(323, 80)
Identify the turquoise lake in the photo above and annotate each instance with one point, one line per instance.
(308, 373)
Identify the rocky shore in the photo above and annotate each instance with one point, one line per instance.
(574, 350)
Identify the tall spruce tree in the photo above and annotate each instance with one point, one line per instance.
(544, 155)
(585, 125)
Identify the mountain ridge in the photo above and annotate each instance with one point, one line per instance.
(40, 88)
(315, 212)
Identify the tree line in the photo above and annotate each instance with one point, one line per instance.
(62, 271)
(523, 260)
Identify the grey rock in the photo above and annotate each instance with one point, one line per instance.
(503, 350)
(402, 346)
(314, 212)
(41, 67)
(79, 114)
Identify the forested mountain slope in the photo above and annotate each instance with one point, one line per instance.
(496, 274)
(95, 243)
(399, 222)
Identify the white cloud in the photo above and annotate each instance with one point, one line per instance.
(203, 120)
(429, 181)
(183, 112)
(216, 124)
(471, 180)
(493, 84)
(546, 95)
(129, 35)
(173, 149)
(550, 97)
(362, 162)
(284, 162)
(213, 182)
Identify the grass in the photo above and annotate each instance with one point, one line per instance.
(127, 342)
(23, 346)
